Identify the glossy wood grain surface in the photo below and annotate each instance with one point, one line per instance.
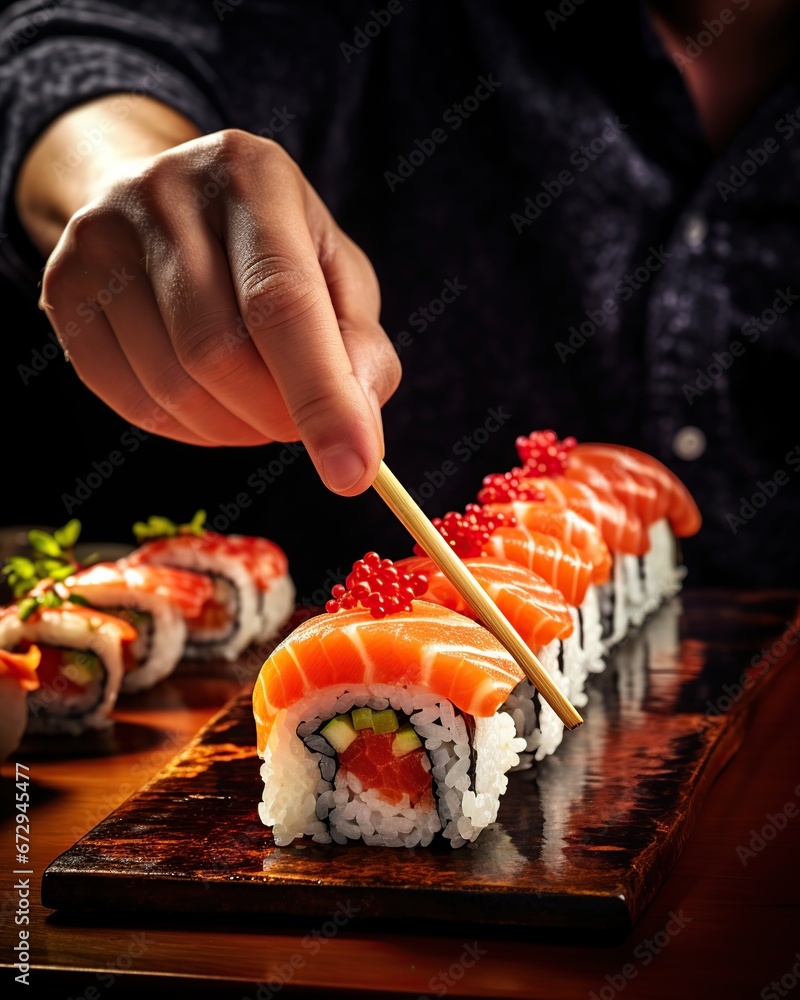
(725, 922)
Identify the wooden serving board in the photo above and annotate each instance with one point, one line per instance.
(583, 839)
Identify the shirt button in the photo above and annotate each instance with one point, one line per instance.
(695, 231)
(689, 443)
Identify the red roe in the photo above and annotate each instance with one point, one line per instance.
(508, 487)
(467, 533)
(543, 454)
(377, 586)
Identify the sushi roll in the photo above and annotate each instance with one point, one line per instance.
(568, 569)
(543, 620)
(637, 504)
(18, 677)
(544, 518)
(156, 601)
(662, 503)
(513, 489)
(378, 721)
(253, 594)
(564, 524)
(81, 666)
(562, 567)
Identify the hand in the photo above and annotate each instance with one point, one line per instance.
(215, 297)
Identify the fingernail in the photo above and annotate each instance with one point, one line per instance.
(342, 468)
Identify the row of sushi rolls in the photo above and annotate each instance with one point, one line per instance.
(393, 717)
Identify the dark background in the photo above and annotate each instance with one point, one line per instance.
(56, 430)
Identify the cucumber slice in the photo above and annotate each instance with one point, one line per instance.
(385, 721)
(362, 718)
(405, 741)
(339, 732)
(80, 666)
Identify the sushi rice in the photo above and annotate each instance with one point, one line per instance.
(640, 585)
(306, 795)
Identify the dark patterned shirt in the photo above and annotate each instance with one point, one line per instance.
(557, 247)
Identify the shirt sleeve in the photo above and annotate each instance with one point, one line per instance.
(56, 55)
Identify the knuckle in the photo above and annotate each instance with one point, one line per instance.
(205, 347)
(153, 175)
(314, 405)
(88, 233)
(231, 143)
(150, 195)
(55, 281)
(81, 256)
(276, 289)
(233, 147)
(253, 164)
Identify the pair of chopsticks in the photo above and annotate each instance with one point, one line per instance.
(411, 516)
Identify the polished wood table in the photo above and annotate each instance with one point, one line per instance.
(725, 924)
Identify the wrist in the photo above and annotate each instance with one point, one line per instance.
(80, 155)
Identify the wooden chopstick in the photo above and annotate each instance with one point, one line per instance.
(414, 520)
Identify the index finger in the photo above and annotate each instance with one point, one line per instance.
(284, 299)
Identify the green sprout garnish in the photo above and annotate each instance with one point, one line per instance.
(162, 527)
(53, 560)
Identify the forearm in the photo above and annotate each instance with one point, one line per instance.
(83, 150)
